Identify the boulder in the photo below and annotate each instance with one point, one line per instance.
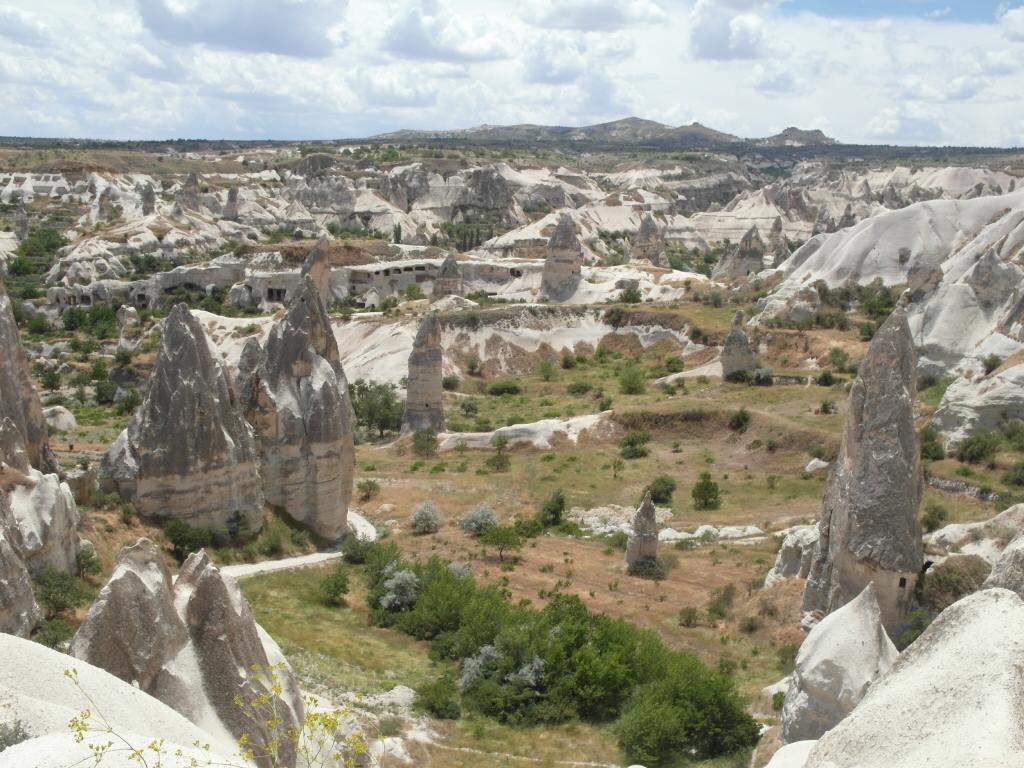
(737, 356)
(47, 515)
(949, 701)
(294, 393)
(38, 693)
(60, 418)
(794, 558)
(424, 404)
(869, 530)
(187, 453)
(563, 266)
(19, 400)
(747, 259)
(190, 642)
(643, 536)
(1008, 572)
(19, 614)
(836, 665)
(792, 755)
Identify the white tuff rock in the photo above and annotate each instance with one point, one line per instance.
(794, 558)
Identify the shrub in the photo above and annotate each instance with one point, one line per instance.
(991, 363)
(184, 538)
(932, 450)
(764, 377)
(128, 404)
(439, 698)
(952, 579)
(631, 295)
(867, 331)
(926, 381)
(59, 593)
(568, 362)
(605, 404)
(934, 517)
(354, 549)
(105, 391)
(367, 489)
(424, 442)
(739, 420)
(54, 633)
(528, 529)
(614, 317)
(786, 656)
(579, 388)
(426, 518)
(661, 489)
(689, 617)
(978, 448)
(778, 700)
(546, 370)
(1015, 476)
(87, 562)
(825, 379)
(553, 509)
(500, 462)
(919, 621)
(502, 538)
(451, 383)
(706, 493)
(827, 407)
(632, 381)
(751, 624)
(334, 586)
(648, 567)
(499, 388)
(477, 520)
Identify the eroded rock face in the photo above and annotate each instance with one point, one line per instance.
(231, 206)
(294, 393)
(869, 529)
(922, 279)
(837, 663)
(187, 197)
(563, 267)
(19, 400)
(643, 538)
(1008, 572)
(649, 243)
(187, 452)
(318, 267)
(449, 279)
(424, 404)
(794, 558)
(747, 259)
(48, 518)
(961, 678)
(148, 200)
(737, 356)
(19, 614)
(190, 642)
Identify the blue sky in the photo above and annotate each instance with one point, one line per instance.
(895, 72)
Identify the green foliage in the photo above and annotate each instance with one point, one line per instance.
(450, 383)
(631, 295)
(499, 388)
(424, 442)
(568, 362)
(633, 444)
(413, 292)
(689, 617)
(478, 520)
(706, 493)
(825, 379)
(978, 448)
(184, 538)
(992, 362)
(552, 510)
(866, 330)
(661, 489)
(778, 700)
(105, 392)
(632, 381)
(11, 734)
(59, 593)
(439, 698)
(579, 388)
(377, 406)
(614, 317)
(502, 538)
(546, 370)
(469, 408)
(50, 380)
(932, 450)
(648, 567)
(934, 517)
(954, 578)
(334, 586)
(87, 562)
(1015, 476)
(128, 404)
(426, 518)
(354, 549)
(739, 420)
(54, 633)
(367, 489)
(919, 622)
(528, 529)
(786, 656)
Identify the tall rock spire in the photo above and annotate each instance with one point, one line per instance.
(424, 404)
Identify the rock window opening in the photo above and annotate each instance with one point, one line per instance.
(275, 294)
(903, 582)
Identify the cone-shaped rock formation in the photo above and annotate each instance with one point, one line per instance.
(424, 403)
(643, 538)
(563, 267)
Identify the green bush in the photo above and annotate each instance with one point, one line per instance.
(614, 317)
(439, 698)
(450, 383)
(934, 517)
(528, 529)
(706, 493)
(919, 622)
(751, 624)
(632, 381)
(354, 549)
(662, 488)
(689, 617)
(739, 420)
(502, 538)
(952, 579)
(568, 362)
(499, 388)
(739, 377)
(978, 448)
(1015, 476)
(648, 567)
(334, 586)
(579, 388)
(631, 295)
(932, 450)
(477, 520)
(424, 442)
(105, 391)
(778, 700)
(54, 632)
(991, 363)
(87, 562)
(553, 509)
(59, 593)
(825, 379)
(128, 404)
(367, 489)
(184, 538)
(426, 518)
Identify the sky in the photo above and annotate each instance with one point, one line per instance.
(935, 72)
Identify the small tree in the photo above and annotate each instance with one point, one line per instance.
(500, 462)
(414, 292)
(554, 507)
(51, 380)
(739, 420)
(424, 442)
(426, 518)
(661, 489)
(546, 370)
(706, 493)
(368, 489)
(334, 586)
(617, 466)
(632, 381)
(503, 539)
(60, 593)
(631, 296)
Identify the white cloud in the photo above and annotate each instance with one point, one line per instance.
(729, 29)
(913, 122)
(553, 58)
(431, 31)
(22, 27)
(592, 15)
(1012, 22)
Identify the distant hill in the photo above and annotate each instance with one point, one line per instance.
(630, 130)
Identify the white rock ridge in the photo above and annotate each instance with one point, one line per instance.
(836, 665)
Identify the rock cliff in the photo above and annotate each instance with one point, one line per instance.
(294, 393)
(19, 614)
(869, 529)
(794, 558)
(187, 453)
(190, 642)
(747, 259)
(318, 267)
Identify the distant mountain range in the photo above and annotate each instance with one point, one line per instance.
(631, 130)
